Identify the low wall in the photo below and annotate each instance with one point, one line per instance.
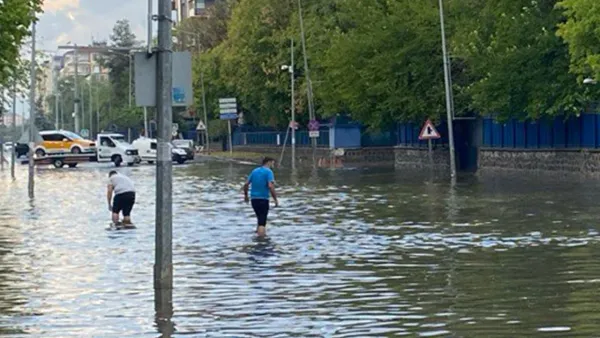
(357, 157)
(411, 157)
(585, 161)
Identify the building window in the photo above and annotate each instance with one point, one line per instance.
(200, 4)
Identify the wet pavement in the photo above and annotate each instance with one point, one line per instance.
(352, 253)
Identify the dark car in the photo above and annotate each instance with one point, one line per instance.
(187, 145)
(21, 149)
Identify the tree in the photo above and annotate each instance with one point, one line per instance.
(581, 30)
(17, 16)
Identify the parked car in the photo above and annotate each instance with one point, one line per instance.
(187, 145)
(62, 141)
(147, 150)
(114, 148)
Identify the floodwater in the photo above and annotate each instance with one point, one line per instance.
(352, 253)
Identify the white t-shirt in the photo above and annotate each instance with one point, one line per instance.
(121, 184)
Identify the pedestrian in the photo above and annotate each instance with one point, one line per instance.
(124, 197)
(261, 182)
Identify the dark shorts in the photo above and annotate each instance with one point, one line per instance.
(123, 203)
(261, 209)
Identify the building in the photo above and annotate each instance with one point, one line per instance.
(190, 8)
(7, 119)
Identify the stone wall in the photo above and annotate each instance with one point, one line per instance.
(574, 161)
(419, 157)
(349, 157)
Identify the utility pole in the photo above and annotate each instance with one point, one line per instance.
(55, 88)
(311, 108)
(91, 107)
(449, 104)
(76, 89)
(293, 108)
(32, 84)
(130, 76)
(14, 129)
(205, 113)
(149, 42)
(163, 268)
(97, 111)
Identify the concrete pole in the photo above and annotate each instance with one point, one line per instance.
(163, 268)
(149, 43)
(91, 106)
(97, 111)
(449, 104)
(311, 108)
(14, 130)
(32, 84)
(56, 120)
(205, 113)
(293, 109)
(76, 88)
(130, 76)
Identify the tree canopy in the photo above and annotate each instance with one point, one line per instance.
(381, 61)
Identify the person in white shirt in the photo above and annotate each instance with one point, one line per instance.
(124, 196)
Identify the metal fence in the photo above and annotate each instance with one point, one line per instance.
(277, 138)
(557, 133)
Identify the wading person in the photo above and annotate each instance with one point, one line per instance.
(261, 183)
(124, 197)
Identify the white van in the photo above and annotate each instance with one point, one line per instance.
(114, 148)
(146, 148)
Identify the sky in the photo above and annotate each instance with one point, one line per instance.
(81, 21)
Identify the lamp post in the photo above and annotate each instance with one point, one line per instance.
(292, 125)
(449, 104)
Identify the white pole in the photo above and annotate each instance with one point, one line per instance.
(14, 130)
(230, 138)
(205, 114)
(293, 108)
(76, 87)
(448, 95)
(32, 84)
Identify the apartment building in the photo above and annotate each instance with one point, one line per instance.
(189, 8)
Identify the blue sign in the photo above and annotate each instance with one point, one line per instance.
(228, 116)
(178, 95)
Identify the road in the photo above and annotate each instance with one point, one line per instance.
(352, 253)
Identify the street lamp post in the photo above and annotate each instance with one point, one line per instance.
(292, 125)
(449, 103)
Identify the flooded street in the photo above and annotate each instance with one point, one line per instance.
(352, 253)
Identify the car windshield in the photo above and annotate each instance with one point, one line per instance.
(119, 139)
(72, 136)
(181, 143)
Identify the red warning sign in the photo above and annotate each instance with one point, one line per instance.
(429, 132)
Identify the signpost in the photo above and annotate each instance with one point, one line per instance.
(85, 133)
(429, 133)
(228, 111)
(313, 129)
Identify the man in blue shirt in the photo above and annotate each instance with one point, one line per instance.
(262, 182)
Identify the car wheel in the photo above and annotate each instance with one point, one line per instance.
(117, 160)
(150, 162)
(72, 165)
(180, 160)
(40, 153)
(58, 163)
(76, 150)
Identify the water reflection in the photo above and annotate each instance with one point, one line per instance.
(351, 253)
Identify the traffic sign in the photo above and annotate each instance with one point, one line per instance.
(84, 133)
(200, 126)
(314, 134)
(313, 125)
(294, 125)
(228, 109)
(429, 132)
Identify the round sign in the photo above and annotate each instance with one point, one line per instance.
(84, 133)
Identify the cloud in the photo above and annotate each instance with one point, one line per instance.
(62, 39)
(53, 6)
(71, 16)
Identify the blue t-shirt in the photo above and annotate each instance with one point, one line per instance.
(259, 180)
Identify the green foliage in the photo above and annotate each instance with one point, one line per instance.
(15, 21)
(581, 30)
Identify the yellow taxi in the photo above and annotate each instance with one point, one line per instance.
(62, 141)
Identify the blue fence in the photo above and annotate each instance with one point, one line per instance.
(277, 138)
(574, 132)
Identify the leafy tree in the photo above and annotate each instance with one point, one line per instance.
(17, 16)
(581, 30)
